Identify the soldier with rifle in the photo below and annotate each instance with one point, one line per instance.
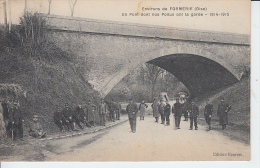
(16, 121)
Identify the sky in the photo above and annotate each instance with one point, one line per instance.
(238, 20)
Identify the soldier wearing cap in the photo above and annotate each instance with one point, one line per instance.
(177, 111)
(132, 109)
(208, 113)
(161, 111)
(194, 113)
(167, 112)
(102, 112)
(68, 115)
(118, 110)
(36, 129)
(156, 113)
(223, 109)
(16, 121)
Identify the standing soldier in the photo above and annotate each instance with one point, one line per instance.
(90, 113)
(223, 109)
(177, 111)
(81, 115)
(102, 112)
(16, 121)
(132, 109)
(167, 112)
(76, 117)
(142, 108)
(185, 109)
(208, 113)
(118, 110)
(112, 111)
(194, 113)
(59, 119)
(161, 111)
(67, 113)
(156, 113)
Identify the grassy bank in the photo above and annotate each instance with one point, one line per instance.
(238, 96)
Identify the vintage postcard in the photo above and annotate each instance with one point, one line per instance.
(111, 80)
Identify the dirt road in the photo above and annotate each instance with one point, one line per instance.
(151, 142)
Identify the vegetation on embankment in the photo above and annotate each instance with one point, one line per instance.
(49, 75)
(238, 96)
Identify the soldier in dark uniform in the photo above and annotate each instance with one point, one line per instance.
(156, 113)
(76, 117)
(90, 113)
(59, 119)
(208, 113)
(167, 112)
(68, 114)
(194, 113)
(177, 111)
(112, 109)
(161, 111)
(223, 109)
(102, 112)
(118, 110)
(16, 121)
(185, 109)
(132, 109)
(82, 116)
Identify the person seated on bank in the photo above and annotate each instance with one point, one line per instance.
(36, 129)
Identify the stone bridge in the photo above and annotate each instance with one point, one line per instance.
(202, 60)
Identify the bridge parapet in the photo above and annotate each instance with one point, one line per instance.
(64, 23)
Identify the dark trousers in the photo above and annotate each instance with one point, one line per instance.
(195, 122)
(186, 115)
(112, 116)
(208, 119)
(132, 122)
(60, 125)
(167, 117)
(177, 121)
(118, 114)
(15, 130)
(156, 119)
(163, 118)
(102, 119)
(77, 121)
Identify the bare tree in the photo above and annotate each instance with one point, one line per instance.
(72, 6)
(49, 11)
(153, 72)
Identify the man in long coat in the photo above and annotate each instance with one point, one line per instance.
(16, 121)
(132, 109)
(68, 115)
(161, 111)
(156, 113)
(142, 108)
(194, 113)
(223, 109)
(102, 112)
(167, 112)
(185, 109)
(177, 111)
(118, 110)
(208, 113)
(59, 119)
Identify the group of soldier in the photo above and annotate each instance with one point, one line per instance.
(85, 116)
(14, 122)
(188, 109)
(191, 111)
(68, 118)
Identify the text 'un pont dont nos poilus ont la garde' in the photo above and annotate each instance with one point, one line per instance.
(176, 11)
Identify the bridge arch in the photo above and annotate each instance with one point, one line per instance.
(198, 69)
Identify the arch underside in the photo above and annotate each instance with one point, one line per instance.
(197, 73)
